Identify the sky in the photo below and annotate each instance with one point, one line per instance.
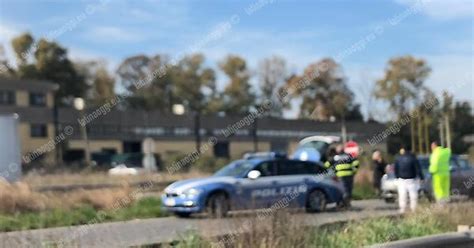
(363, 35)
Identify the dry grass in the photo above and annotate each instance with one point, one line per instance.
(98, 199)
(19, 197)
(22, 197)
(280, 230)
(363, 176)
(66, 179)
(276, 230)
(451, 215)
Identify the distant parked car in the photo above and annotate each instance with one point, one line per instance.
(123, 170)
(255, 182)
(462, 179)
(128, 163)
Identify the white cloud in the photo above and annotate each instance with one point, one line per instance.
(7, 33)
(443, 9)
(290, 45)
(141, 14)
(112, 34)
(453, 73)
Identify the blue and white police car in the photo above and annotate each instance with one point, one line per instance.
(255, 182)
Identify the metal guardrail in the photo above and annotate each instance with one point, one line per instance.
(452, 240)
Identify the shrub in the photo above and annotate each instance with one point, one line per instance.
(176, 163)
(143, 208)
(18, 197)
(101, 199)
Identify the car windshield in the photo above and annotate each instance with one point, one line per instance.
(234, 169)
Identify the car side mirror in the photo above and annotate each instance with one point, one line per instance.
(254, 174)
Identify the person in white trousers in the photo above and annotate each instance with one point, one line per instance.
(411, 187)
(408, 172)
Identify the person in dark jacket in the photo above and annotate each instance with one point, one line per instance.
(409, 174)
(378, 165)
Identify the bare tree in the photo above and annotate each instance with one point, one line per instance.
(273, 74)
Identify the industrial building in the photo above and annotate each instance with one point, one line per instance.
(49, 133)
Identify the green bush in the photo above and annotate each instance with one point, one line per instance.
(373, 231)
(363, 191)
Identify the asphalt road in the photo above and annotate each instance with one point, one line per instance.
(161, 230)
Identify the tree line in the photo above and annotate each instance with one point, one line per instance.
(190, 81)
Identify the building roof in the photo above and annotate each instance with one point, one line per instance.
(136, 124)
(27, 84)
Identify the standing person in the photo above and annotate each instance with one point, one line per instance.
(408, 172)
(378, 165)
(345, 167)
(439, 168)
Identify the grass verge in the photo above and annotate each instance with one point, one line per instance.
(144, 208)
(363, 191)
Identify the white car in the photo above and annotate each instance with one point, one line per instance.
(123, 170)
(389, 187)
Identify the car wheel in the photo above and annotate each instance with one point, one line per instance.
(316, 202)
(182, 214)
(389, 200)
(217, 205)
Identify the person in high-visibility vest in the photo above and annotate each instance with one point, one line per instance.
(345, 167)
(439, 168)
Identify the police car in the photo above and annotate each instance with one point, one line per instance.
(257, 181)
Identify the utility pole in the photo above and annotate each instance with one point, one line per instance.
(197, 130)
(57, 128)
(343, 130)
(255, 135)
(412, 134)
(420, 133)
(426, 123)
(441, 133)
(79, 104)
(448, 131)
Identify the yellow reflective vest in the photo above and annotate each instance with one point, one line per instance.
(343, 164)
(439, 161)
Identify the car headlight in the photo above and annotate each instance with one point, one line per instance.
(192, 192)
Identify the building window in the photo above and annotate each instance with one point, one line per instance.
(7, 97)
(38, 130)
(37, 99)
